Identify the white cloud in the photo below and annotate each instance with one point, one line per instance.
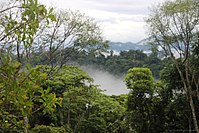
(124, 31)
(121, 20)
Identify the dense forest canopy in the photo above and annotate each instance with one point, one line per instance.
(43, 89)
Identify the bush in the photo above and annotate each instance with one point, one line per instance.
(47, 129)
(8, 130)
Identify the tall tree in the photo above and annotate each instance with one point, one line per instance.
(27, 27)
(140, 83)
(73, 31)
(177, 109)
(174, 28)
(21, 87)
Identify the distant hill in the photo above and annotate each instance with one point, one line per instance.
(120, 46)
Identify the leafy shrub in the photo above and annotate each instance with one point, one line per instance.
(47, 129)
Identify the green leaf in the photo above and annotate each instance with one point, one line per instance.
(52, 17)
(51, 10)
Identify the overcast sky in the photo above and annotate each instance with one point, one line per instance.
(120, 20)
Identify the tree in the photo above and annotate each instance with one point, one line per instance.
(28, 28)
(68, 79)
(174, 28)
(72, 31)
(19, 22)
(87, 110)
(84, 108)
(21, 90)
(140, 83)
(22, 95)
(177, 109)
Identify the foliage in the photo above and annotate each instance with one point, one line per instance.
(115, 64)
(64, 99)
(31, 93)
(139, 104)
(28, 27)
(175, 100)
(84, 106)
(61, 81)
(22, 93)
(65, 77)
(47, 129)
(74, 31)
(20, 21)
(139, 80)
(173, 26)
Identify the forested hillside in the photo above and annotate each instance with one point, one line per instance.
(44, 90)
(119, 46)
(115, 64)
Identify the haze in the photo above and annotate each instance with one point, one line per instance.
(113, 85)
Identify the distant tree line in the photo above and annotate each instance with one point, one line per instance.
(115, 64)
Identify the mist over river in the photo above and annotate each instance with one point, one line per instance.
(113, 85)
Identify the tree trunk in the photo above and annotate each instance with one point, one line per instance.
(196, 82)
(188, 90)
(193, 113)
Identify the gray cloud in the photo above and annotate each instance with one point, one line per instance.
(120, 6)
(123, 18)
